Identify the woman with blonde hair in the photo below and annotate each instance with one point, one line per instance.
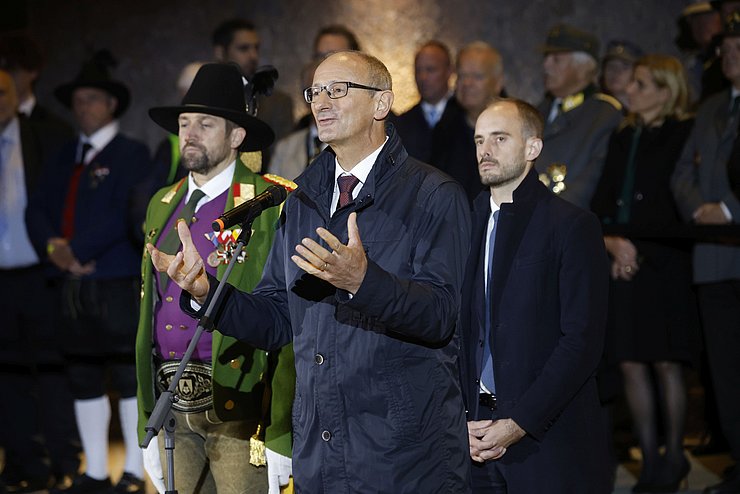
(652, 320)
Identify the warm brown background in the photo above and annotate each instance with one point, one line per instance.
(154, 39)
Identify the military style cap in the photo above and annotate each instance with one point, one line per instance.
(565, 38)
(732, 25)
(623, 50)
(697, 8)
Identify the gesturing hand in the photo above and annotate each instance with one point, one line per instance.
(344, 267)
(186, 268)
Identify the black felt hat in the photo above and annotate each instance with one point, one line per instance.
(95, 73)
(218, 89)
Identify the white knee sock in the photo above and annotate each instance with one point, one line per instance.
(129, 413)
(93, 419)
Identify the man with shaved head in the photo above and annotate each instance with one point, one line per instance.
(364, 277)
(532, 322)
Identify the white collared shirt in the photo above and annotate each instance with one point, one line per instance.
(27, 106)
(361, 171)
(433, 112)
(98, 140)
(214, 187)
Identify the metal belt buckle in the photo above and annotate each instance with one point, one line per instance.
(487, 400)
(194, 391)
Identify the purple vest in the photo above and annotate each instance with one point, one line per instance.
(173, 330)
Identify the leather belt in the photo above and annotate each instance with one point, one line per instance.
(487, 400)
(195, 389)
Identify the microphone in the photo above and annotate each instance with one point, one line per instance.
(247, 212)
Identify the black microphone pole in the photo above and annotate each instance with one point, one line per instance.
(162, 414)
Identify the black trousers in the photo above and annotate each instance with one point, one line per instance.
(99, 330)
(38, 427)
(720, 314)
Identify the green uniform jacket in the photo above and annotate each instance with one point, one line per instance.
(238, 393)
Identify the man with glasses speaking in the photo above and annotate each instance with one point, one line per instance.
(364, 276)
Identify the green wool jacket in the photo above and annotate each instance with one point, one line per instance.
(238, 393)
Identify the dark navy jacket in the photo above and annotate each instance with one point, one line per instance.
(548, 314)
(378, 406)
(105, 224)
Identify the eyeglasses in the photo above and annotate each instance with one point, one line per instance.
(334, 90)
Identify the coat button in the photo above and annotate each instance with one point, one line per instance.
(168, 327)
(234, 364)
(638, 196)
(169, 298)
(229, 405)
(172, 354)
(326, 435)
(318, 358)
(183, 327)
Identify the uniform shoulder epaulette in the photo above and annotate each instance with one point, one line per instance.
(278, 180)
(170, 194)
(609, 99)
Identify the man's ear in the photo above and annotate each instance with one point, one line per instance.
(218, 53)
(113, 104)
(532, 148)
(384, 104)
(237, 137)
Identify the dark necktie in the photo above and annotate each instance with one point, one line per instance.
(732, 119)
(486, 376)
(346, 184)
(70, 202)
(170, 244)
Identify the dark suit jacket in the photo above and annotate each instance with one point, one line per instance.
(104, 220)
(548, 299)
(453, 151)
(415, 131)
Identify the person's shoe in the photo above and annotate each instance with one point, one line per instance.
(63, 481)
(731, 485)
(86, 485)
(673, 477)
(129, 483)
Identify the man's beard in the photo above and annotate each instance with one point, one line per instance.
(197, 163)
(507, 174)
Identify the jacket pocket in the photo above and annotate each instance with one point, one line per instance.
(402, 414)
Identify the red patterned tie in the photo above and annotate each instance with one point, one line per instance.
(346, 184)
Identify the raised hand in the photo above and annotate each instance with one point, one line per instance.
(344, 267)
(186, 268)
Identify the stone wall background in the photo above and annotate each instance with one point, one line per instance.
(154, 39)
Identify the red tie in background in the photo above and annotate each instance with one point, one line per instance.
(68, 215)
(346, 184)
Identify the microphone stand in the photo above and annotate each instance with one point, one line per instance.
(162, 415)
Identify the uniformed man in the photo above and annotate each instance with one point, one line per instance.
(578, 119)
(216, 418)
